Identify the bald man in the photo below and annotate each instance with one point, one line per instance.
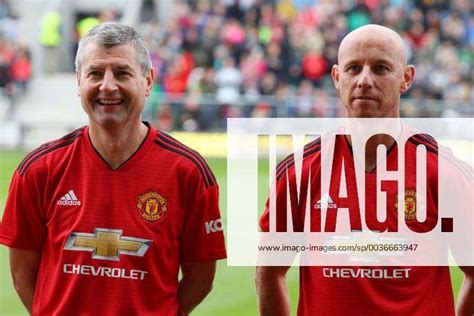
(371, 75)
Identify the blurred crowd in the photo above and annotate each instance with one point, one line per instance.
(215, 59)
(15, 59)
(230, 55)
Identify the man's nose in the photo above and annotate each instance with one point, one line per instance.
(365, 79)
(109, 82)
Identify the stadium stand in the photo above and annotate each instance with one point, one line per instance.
(249, 58)
(282, 51)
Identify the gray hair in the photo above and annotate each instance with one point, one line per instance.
(111, 34)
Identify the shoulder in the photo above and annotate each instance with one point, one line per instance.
(48, 150)
(188, 158)
(431, 145)
(449, 165)
(309, 151)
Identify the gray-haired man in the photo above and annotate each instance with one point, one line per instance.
(101, 221)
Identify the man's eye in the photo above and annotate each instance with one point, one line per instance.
(381, 68)
(123, 74)
(352, 68)
(94, 74)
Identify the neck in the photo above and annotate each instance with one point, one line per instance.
(362, 129)
(371, 160)
(117, 145)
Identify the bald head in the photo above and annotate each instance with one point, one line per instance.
(377, 34)
(372, 73)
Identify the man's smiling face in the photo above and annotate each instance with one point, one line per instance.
(111, 84)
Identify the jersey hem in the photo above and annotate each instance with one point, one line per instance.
(13, 243)
(212, 256)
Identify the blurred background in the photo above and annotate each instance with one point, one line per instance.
(214, 60)
(226, 58)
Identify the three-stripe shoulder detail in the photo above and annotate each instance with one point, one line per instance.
(432, 146)
(48, 148)
(169, 143)
(288, 162)
(427, 141)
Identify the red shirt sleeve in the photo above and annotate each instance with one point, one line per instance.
(203, 232)
(23, 225)
(458, 203)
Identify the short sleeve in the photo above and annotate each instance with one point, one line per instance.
(23, 225)
(203, 232)
(459, 201)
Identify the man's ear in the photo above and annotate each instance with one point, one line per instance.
(335, 76)
(408, 76)
(150, 80)
(78, 80)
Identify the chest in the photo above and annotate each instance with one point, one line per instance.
(145, 203)
(370, 200)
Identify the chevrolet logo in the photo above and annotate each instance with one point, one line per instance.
(107, 244)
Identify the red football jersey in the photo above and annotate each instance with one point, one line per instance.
(112, 241)
(368, 290)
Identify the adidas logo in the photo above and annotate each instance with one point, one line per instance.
(325, 202)
(69, 199)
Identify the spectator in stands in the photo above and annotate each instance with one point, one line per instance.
(304, 103)
(314, 66)
(50, 39)
(228, 80)
(21, 70)
(296, 40)
(6, 87)
(88, 22)
(15, 60)
(176, 79)
(5, 78)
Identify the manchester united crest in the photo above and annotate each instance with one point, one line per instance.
(152, 206)
(410, 204)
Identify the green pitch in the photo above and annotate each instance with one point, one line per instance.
(234, 290)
